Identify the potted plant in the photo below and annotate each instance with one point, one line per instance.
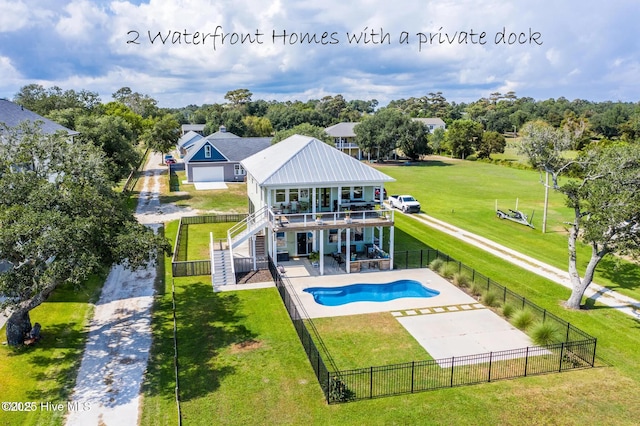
(314, 258)
(318, 218)
(347, 217)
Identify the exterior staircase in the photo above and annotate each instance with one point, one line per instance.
(222, 269)
(261, 247)
(242, 231)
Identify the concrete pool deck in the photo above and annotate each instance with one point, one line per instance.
(451, 324)
(449, 294)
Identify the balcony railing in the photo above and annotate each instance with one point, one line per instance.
(377, 216)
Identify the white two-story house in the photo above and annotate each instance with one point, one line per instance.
(308, 197)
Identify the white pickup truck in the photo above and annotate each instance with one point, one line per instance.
(406, 203)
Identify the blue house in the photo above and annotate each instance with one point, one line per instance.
(218, 160)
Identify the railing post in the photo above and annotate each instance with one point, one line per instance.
(371, 382)
(452, 363)
(490, 359)
(413, 368)
(526, 362)
(561, 356)
(593, 359)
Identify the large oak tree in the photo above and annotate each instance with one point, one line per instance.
(603, 195)
(60, 221)
(606, 205)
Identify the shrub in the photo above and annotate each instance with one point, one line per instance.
(477, 289)
(339, 392)
(545, 333)
(522, 319)
(449, 270)
(461, 279)
(492, 298)
(436, 265)
(507, 310)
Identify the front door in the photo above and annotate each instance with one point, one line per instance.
(304, 244)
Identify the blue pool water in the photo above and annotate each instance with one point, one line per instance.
(335, 296)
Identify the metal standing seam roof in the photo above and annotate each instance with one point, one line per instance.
(303, 160)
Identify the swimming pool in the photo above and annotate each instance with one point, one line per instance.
(336, 296)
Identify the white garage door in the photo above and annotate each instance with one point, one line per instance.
(208, 174)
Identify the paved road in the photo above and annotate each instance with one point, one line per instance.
(597, 292)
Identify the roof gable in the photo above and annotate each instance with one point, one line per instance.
(198, 153)
(189, 139)
(306, 160)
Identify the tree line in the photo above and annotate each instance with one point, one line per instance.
(476, 128)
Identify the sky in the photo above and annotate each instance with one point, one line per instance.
(183, 52)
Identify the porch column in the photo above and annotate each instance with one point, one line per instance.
(253, 252)
(321, 251)
(381, 237)
(391, 231)
(314, 194)
(348, 252)
(273, 250)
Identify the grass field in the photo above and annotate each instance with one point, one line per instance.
(241, 362)
(231, 200)
(46, 372)
(464, 194)
(198, 238)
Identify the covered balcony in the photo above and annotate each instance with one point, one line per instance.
(361, 216)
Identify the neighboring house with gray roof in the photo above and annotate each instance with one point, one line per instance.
(12, 114)
(196, 128)
(306, 196)
(218, 160)
(345, 138)
(432, 123)
(186, 141)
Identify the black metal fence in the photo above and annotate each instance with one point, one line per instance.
(316, 359)
(418, 376)
(575, 348)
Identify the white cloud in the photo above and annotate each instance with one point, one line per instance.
(14, 16)
(82, 20)
(576, 54)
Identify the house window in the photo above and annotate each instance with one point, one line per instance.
(207, 151)
(346, 193)
(281, 239)
(358, 193)
(238, 170)
(333, 235)
(293, 195)
(280, 195)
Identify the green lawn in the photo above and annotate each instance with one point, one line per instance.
(359, 341)
(198, 238)
(231, 200)
(464, 194)
(47, 371)
(241, 362)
